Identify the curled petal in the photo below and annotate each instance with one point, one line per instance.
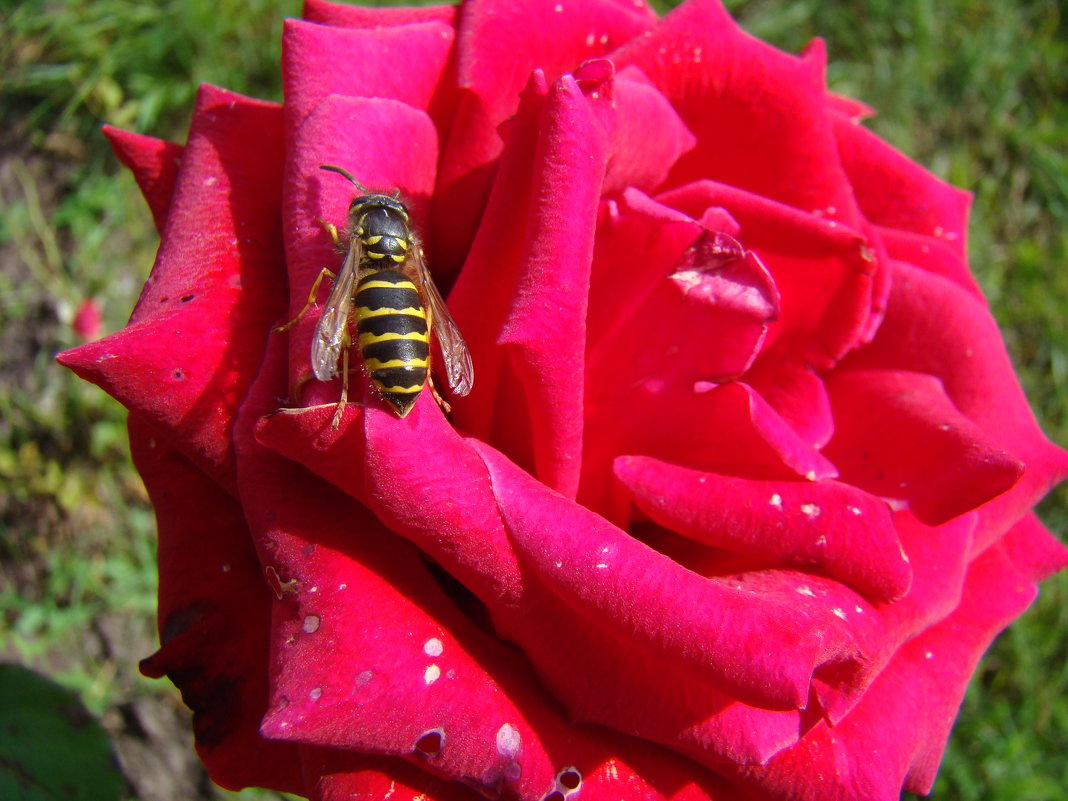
(154, 163)
(197, 335)
(827, 525)
(899, 436)
(934, 326)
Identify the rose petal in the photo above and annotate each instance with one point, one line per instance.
(830, 525)
(363, 627)
(934, 326)
(496, 55)
(895, 192)
(543, 262)
(1034, 549)
(647, 139)
(357, 134)
(606, 568)
(939, 558)
(214, 615)
(732, 90)
(932, 254)
(743, 436)
(362, 17)
(400, 62)
(899, 436)
(154, 163)
(897, 733)
(198, 332)
(825, 271)
(798, 395)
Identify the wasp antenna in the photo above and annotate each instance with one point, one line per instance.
(342, 171)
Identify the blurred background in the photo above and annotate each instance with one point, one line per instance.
(974, 89)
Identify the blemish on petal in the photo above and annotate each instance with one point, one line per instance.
(776, 501)
(315, 693)
(310, 624)
(433, 647)
(839, 612)
(804, 589)
(928, 655)
(810, 510)
(431, 674)
(855, 510)
(363, 677)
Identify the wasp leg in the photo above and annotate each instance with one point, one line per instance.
(344, 381)
(331, 229)
(308, 305)
(445, 407)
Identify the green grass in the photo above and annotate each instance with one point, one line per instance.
(973, 88)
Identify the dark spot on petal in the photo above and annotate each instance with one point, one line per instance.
(431, 743)
(188, 298)
(179, 375)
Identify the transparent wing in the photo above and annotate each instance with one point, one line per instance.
(458, 368)
(330, 333)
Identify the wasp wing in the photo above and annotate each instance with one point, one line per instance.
(458, 368)
(331, 334)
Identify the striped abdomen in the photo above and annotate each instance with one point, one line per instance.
(391, 323)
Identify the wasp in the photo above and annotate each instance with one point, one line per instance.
(385, 288)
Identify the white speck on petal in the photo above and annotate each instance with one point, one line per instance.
(590, 39)
(804, 589)
(433, 647)
(310, 625)
(859, 610)
(558, 8)
(316, 693)
(431, 674)
(837, 612)
(855, 510)
(810, 510)
(928, 655)
(810, 475)
(821, 540)
(776, 501)
(342, 586)
(509, 741)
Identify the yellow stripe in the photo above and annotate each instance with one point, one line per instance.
(375, 284)
(375, 364)
(406, 390)
(370, 339)
(362, 312)
(373, 240)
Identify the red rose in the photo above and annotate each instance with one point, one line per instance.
(743, 488)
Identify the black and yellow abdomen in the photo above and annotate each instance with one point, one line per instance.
(392, 327)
